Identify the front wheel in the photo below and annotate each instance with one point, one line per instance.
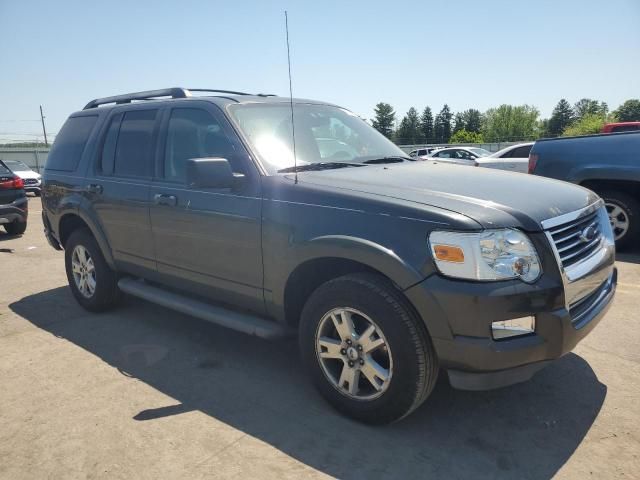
(365, 349)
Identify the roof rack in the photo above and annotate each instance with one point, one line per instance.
(165, 92)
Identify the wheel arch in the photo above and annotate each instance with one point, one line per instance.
(325, 258)
(71, 221)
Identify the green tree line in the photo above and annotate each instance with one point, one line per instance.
(500, 124)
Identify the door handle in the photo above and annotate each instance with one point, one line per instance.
(162, 199)
(94, 188)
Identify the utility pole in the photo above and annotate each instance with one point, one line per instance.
(44, 130)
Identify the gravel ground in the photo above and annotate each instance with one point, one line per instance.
(143, 392)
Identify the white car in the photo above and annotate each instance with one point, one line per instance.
(458, 155)
(423, 152)
(32, 180)
(514, 158)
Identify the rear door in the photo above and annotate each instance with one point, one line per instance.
(206, 238)
(119, 188)
(517, 160)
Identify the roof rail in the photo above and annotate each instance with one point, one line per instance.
(165, 92)
(147, 95)
(231, 92)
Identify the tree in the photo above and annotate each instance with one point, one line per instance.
(510, 122)
(588, 124)
(465, 136)
(409, 131)
(629, 111)
(472, 120)
(561, 118)
(442, 125)
(385, 118)
(426, 125)
(587, 106)
(458, 122)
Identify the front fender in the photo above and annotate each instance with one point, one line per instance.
(369, 253)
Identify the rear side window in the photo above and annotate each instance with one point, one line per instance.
(134, 144)
(521, 152)
(70, 142)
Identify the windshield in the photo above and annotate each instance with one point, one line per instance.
(481, 152)
(324, 134)
(17, 166)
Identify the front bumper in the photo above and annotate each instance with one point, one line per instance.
(459, 314)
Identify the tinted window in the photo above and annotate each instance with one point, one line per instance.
(109, 146)
(70, 142)
(521, 152)
(134, 144)
(4, 170)
(193, 133)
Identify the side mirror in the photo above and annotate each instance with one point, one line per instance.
(212, 173)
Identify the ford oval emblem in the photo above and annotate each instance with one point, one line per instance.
(589, 233)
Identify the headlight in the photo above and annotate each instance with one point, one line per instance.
(488, 255)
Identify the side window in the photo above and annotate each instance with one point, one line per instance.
(133, 146)
(508, 154)
(446, 154)
(463, 154)
(109, 146)
(70, 142)
(521, 152)
(193, 133)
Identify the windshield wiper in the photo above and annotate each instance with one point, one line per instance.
(388, 160)
(319, 166)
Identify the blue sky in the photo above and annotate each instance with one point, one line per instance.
(409, 53)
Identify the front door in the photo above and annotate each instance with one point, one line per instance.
(210, 238)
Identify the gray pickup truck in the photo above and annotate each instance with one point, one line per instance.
(608, 164)
(389, 270)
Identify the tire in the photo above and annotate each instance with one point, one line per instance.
(629, 209)
(412, 364)
(105, 293)
(16, 227)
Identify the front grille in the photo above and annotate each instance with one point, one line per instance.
(30, 181)
(571, 243)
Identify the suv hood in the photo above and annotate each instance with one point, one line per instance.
(492, 198)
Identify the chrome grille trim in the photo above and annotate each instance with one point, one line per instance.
(567, 241)
(571, 216)
(581, 266)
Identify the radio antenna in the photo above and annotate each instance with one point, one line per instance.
(293, 126)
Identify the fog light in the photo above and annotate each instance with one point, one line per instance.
(513, 328)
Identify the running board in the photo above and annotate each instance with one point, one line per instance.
(242, 322)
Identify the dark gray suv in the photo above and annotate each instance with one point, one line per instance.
(390, 270)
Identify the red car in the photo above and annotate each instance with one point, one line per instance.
(621, 127)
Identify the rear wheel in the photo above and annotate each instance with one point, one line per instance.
(92, 282)
(624, 215)
(365, 349)
(16, 227)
